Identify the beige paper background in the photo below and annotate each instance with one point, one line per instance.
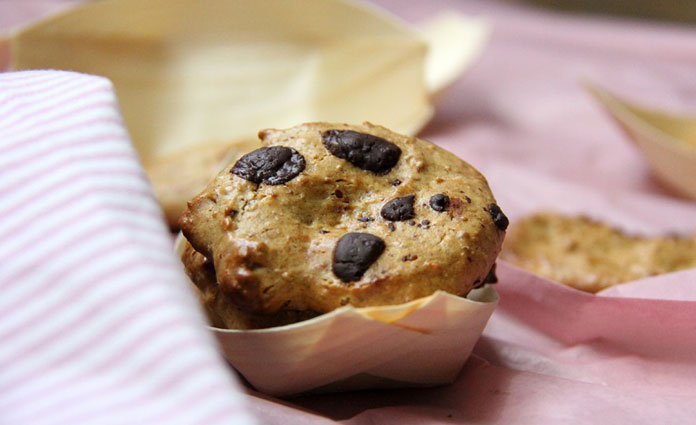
(208, 71)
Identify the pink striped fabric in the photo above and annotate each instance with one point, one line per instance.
(97, 324)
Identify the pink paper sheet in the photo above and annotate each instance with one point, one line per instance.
(552, 355)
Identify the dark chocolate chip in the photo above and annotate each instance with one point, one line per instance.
(391, 226)
(425, 222)
(272, 165)
(412, 223)
(491, 276)
(338, 194)
(354, 254)
(439, 202)
(468, 200)
(396, 182)
(207, 263)
(365, 151)
(501, 222)
(399, 209)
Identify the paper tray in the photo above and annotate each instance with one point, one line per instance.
(421, 343)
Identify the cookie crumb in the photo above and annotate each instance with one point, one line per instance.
(391, 226)
(409, 257)
(323, 232)
(396, 182)
(365, 219)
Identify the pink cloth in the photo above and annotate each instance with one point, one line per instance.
(97, 322)
(553, 355)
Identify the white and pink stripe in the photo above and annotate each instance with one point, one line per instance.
(97, 324)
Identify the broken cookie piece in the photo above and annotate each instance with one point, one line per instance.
(589, 255)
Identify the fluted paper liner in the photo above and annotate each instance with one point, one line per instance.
(205, 71)
(421, 343)
(668, 141)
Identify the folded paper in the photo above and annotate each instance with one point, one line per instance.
(189, 72)
(668, 141)
(421, 343)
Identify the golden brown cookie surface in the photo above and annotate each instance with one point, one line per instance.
(221, 313)
(328, 214)
(591, 256)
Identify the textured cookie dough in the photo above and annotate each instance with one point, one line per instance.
(365, 217)
(221, 313)
(179, 176)
(591, 256)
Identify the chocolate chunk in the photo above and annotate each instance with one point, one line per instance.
(365, 151)
(354, 254)
(439, 202)
(425, 222)
(468, 200)
(391, 226)
(490, 278)
(501, 222)
(272, 165)
(338, 194)
(412, 223)
(399, 209)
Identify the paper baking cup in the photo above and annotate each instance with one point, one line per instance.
(420, 343)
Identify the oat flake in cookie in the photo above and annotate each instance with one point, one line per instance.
(314, 220)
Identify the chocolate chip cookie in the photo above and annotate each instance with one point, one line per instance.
(592, 256)
(325, 215)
